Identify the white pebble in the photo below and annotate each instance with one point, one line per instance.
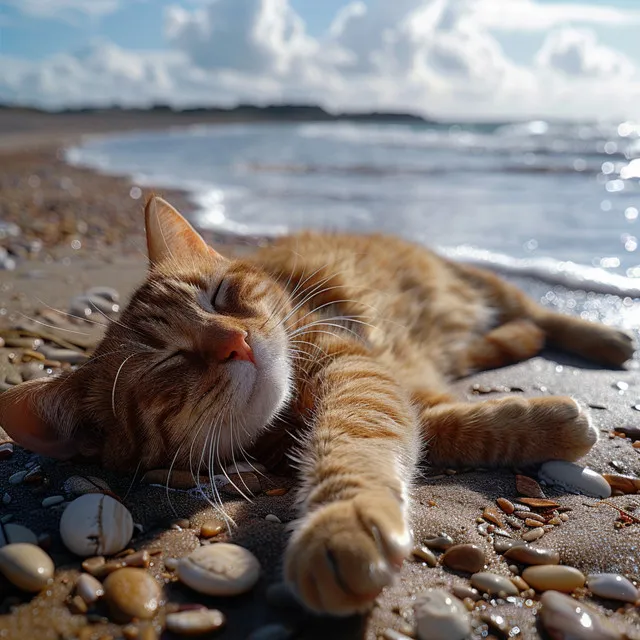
(441, 616)
(27, 566)
(89, 589)
(95, 524)
(220, 569)
(613, 587)
(574, 478)
(195, 622)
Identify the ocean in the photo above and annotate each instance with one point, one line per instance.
(553, 200)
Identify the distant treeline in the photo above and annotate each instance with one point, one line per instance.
(268, 112)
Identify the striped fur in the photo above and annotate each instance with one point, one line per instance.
(355, 341)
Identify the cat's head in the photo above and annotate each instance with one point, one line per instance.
(196, 365)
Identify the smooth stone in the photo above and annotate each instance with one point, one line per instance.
(132, 593)
(554, 577)
(565, 618)
(506, 505)
(108, 293)
(221, 569)
(464, 557)
(624, 484)
(493, 584)
(441, 616)
(51, 501)
(27, 566)
(574, 478)
(533, 534)
(63, 355)
(631, 431)
(501, 545)
(426, 555)
(613, 587)
(197, 622)
(462, 591)
(18, 477)
(89, 589)
(96, 524)
(210, 529)
(14, 533)
(524, 554)
(439, 543)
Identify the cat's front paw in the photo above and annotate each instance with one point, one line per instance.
(343, 554)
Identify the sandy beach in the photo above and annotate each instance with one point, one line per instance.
(67, 229)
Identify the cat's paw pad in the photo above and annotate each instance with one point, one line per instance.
(343, 554)
(570, 431)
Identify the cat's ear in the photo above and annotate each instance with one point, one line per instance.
(28, 414)
(170, 236)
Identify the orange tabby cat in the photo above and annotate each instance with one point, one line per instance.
(352, 340)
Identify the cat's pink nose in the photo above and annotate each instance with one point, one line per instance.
(235, 347)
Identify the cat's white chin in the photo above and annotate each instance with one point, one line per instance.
(261, 390)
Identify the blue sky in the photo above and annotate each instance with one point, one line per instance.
(446, 52)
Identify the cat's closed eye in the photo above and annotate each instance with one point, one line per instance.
(218, 297)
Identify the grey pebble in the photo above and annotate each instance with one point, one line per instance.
(52, 501)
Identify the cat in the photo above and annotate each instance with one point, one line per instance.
(351, 339)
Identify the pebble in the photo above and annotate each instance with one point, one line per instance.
(533, 534)
(537, 503)
(519, 583)
(96, 524)
(197, 622)
(492, 515)
(132, 593)
(439, 543)
(108, 293)
(280, 491)
(574, 478)
(503, 544)
(18, 477)
(529, 515)
(27, 566)
(171, 563)
(80, 485)
(565, 618)
(505, 505)
(78, 605)
(525, 554)
(63, 355)
(528, 487)
(493, 584)
(138, 559)
(464, 557)
(89, 589)
(462, 591)
(613, 587)
(242, 484)
(94, 565)
(14, 533)
(221, 569)
(553, 576)
(210, 529)
(441, 616)
(270, 517)
(631, 431)
(280, 596)
(426, 555)
(624, 484)
(52, 501)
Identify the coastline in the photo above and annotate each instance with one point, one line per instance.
(56, 206)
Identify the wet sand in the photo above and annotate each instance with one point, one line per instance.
(79, 229)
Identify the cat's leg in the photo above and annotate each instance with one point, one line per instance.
(509, 343)
(505, 432)
(356, 464)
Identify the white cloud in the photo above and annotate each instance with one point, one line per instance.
(577, 52)
(427, 56)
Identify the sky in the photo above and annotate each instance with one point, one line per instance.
(451, 59)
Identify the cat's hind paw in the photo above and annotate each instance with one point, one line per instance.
(343, 554)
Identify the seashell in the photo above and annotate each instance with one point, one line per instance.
(553, 576)
(220, 569)
(574, 478)
(613, 587)
(96, 524)
(525, 554)
(464, 557)
(625, 484)
(14, 533)
(27, 566)
(505, 505)
(441, 616)
(493, 584)
(564, 617)
(528, 487)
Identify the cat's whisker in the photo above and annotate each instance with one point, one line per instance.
(168, 482)
(312, 294)
(115, 382)
(70, 315)
(323, 306)
(133, 480)
(51, 326)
